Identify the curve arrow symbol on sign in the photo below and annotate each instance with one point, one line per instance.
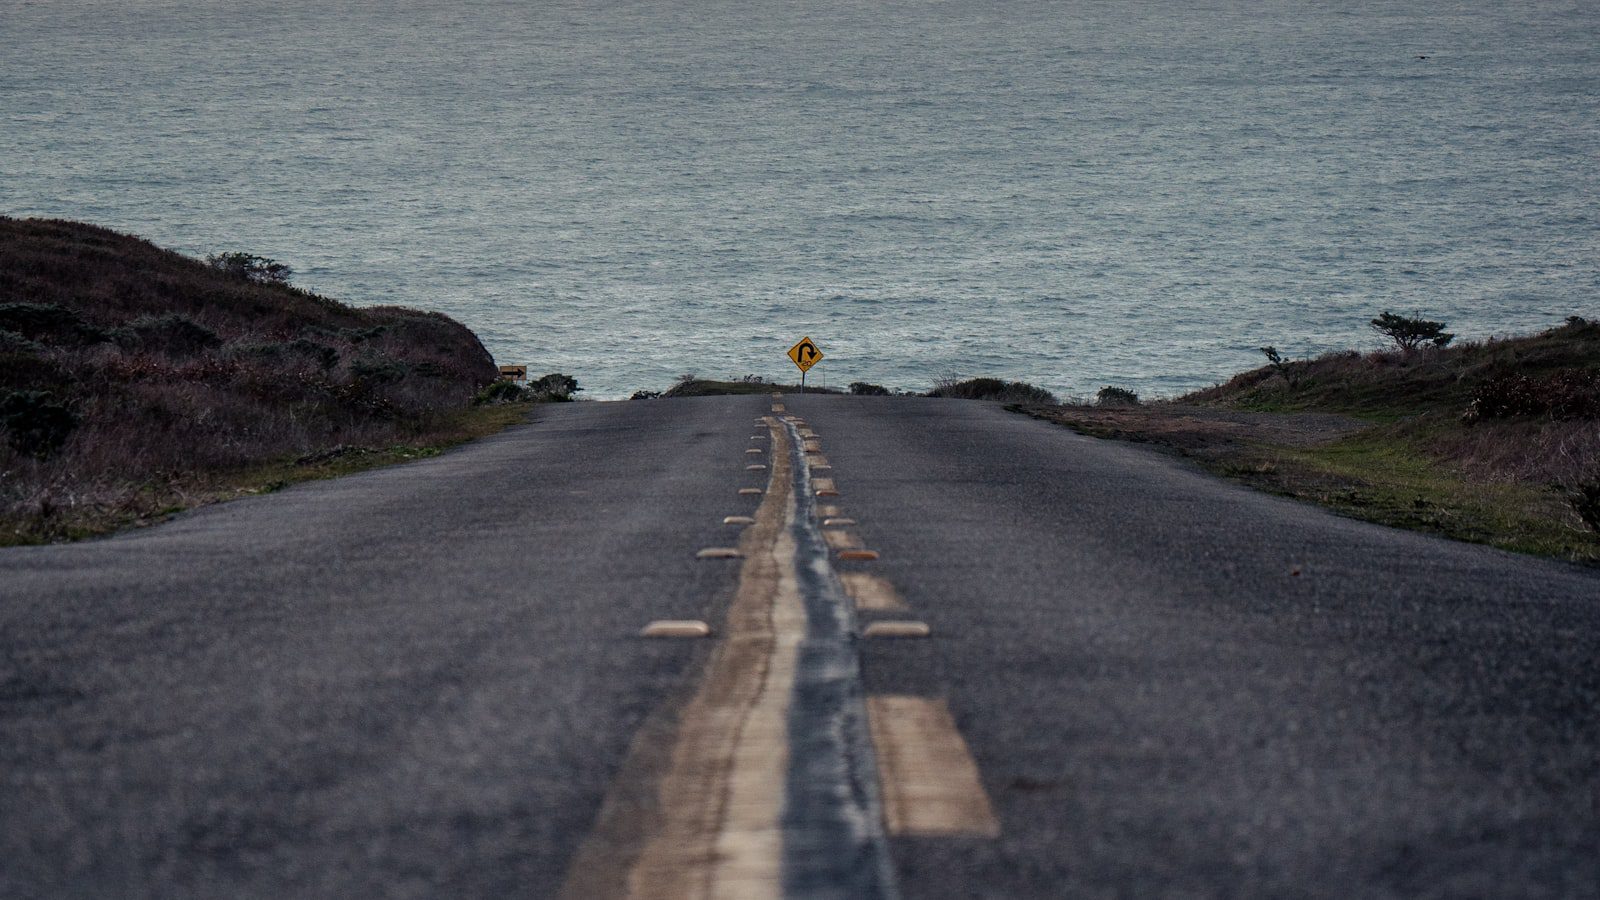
(805, 354)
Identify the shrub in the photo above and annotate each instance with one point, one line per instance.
(1115, 396)
(374, 369)
(11, 342)
(251, 268)
(352, 335)
(645, 395)
(172, 334)
(991, 389)
(324, 356)
(34, 423)
(1410, 333)
(863, 389)
(30, 372)
(50, 324)
(1585, 500)
(1564, 394)
(502, 392)
(554, 387)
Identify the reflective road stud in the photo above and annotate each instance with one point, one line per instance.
(676, 628)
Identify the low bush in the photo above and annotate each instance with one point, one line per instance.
(991, 389)
(1585, 500)
(645, 395)
(286, 352)
(252, 268)
(554, 387)
(49, 323)
(1561, 395)
(33, 372)
(864, 389)
(34, 422)
(11, 342)
(1115, 396)
(172, 334)
(502, 392)
(374, 369)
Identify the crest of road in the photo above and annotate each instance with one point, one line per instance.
(793, 646)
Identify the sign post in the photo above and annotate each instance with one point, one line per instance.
(805, 355)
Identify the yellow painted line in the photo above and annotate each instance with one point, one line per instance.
(676, 628)
(818, 462)
(900, 629)
(930, 783)
(696, 810)
(871, 592)
(858, 554)
(719, 553)
(749, 491)
(755, 467)
(832, 521)
(777, 407)
(753, 451)
(738, 520)
(813, 447)
(840, 540)
(828, 510)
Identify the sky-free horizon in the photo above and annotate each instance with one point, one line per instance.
(1072, 194)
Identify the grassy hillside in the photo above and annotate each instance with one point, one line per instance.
(134, 379)
(1496, 441)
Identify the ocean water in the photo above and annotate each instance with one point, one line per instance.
(1074, 193)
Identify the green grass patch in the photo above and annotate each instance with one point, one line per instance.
(1384, 475)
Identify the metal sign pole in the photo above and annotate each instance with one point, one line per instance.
(802, 381)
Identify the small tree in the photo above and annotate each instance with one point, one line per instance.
(1279, 364)
(252, 268)
(1409, 333)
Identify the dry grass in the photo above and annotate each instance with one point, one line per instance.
(177, 377)
(1404, 439)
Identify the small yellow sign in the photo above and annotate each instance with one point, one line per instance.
(805, 354)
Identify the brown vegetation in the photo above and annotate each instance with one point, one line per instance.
(990, 389)
(1495, 441)
(130, 374)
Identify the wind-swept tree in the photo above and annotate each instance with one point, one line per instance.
(1410, 333)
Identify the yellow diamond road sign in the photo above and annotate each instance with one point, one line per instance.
(805, 354)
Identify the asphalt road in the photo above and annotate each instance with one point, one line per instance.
(425, 680)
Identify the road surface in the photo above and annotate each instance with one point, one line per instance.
(429, 680)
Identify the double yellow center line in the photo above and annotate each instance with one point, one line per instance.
(706, 804)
